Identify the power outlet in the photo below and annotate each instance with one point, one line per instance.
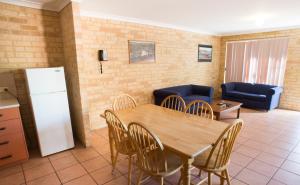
(3, 89)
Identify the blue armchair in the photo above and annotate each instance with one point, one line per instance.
(188, 92)
(258, 96)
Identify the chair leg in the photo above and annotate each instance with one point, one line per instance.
(209, 178)
(227, 177)
(129, 169)
(199, 174)
(180, 178)
(161, 181)
(222, 178)
(114, 162)
(139, 177)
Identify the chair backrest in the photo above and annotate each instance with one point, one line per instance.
(221, 151)
(200, 108)
(173, 102)
(119, 132)
(124, 101)
(149, 149)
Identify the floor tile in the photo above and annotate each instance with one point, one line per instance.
(248, 151)
(283, 145)
(277, 151)
(270, 159)
(95, 164)
(71, 173)
(275, 182)
(297, 150)
(104, 175)
(234, 169)
(50, 179)
(256, 145)
(240, 159)
(287, 177)
(84, 154)
(14, 179)
(118, 181)
(103, 148)
(34, 162)
(252, 178)
(10, 170)
(291, 167)
(262, 168)
(237, 182)
(64, 162)
(39, 171)
(84, 180)
(60, 155)
(294, 157)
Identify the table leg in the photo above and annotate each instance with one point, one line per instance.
(186, 176)
(238, 113)
(218, 116)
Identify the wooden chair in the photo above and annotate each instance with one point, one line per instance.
(152, 158)
(124, 101)
(200, 108)
(216, 160)
(173, 102)
(119, 140)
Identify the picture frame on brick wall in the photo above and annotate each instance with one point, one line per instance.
(204, 53)
(141, 52)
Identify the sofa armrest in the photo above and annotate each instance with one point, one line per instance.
(274, 90)
(160, 95)
(203, 90)
(227, 87)
(165, 93)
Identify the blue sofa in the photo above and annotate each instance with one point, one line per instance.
(257, 96)
(188, 92)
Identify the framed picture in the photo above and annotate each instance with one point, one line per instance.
(141, 52)
(204, 53)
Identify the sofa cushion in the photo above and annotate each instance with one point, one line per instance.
(249, 96)
(189, 99)
(183, 90)
(235, 94)
(254, 97)
(252, 88)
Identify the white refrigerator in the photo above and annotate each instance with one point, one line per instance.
(49, 100)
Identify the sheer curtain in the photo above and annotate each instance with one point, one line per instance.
(256, 61)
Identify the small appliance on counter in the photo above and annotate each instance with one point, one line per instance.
(13, 147)
(50, 107)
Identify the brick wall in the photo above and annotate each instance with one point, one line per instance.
(28, 38)
(290, 98)
(71, 33)
(176, 62)
(38, 38)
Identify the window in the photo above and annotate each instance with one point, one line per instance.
(256, 61)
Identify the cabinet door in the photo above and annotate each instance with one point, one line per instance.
(12, 148)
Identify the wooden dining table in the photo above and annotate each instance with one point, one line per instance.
(186, 135)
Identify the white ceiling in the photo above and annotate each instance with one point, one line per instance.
(218, 17)
(221, 17)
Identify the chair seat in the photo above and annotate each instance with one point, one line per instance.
(200, 161)
(174, 164)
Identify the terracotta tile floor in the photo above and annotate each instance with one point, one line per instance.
(267, 152)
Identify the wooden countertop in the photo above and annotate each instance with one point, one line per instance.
(8, 101)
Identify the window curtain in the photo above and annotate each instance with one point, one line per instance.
(256, 61)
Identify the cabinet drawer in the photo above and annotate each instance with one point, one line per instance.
(12, 148)
(10, 127)
(7, 114)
